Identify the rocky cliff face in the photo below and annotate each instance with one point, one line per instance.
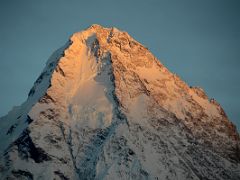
(105, 108)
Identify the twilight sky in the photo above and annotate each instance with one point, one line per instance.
(198, 40)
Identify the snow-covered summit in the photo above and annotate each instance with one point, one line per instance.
(105, 108)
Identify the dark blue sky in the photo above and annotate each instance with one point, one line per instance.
(198, 40)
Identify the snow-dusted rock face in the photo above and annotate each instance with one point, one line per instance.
(105, 108)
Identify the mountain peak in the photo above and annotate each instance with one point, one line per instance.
(104, 107)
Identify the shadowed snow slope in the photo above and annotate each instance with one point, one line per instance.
(105, 108)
